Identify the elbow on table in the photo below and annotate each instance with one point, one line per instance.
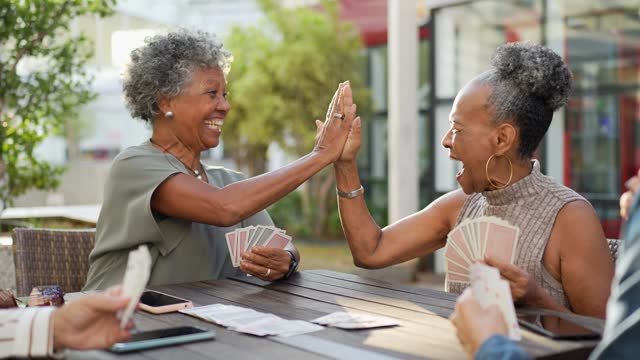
(365, 262)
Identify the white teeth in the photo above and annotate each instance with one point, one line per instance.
(214, 124)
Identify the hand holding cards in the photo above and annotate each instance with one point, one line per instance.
(242, 240)
(135, 280)
(473, 239)
(489, 289)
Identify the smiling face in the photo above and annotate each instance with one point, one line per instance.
(200, 110)
(472, 135)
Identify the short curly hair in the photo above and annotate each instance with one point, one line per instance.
(164, 65)
(530, 82)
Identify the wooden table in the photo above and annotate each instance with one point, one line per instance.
(424, 332)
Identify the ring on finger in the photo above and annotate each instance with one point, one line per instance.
(267, 273)
(339, 116)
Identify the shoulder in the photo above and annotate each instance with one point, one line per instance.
(577, 222)
(141, 157)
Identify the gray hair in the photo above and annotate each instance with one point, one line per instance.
(164, 66)
(530, 82)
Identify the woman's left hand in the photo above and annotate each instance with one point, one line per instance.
(266, 263)
(523, 289)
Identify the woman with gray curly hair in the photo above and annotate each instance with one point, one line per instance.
(561, 260)
(161, 195)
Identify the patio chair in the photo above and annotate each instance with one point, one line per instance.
(51, 257)
(614, 244)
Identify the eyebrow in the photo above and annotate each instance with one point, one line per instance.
(210, 83)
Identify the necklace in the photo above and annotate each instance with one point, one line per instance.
(195, 172)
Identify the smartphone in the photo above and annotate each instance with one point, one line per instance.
(557, 328)
(162, 337)
(159, 303)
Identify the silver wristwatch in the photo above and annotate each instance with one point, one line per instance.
(350, 194)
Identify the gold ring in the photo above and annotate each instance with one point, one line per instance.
(268, 273)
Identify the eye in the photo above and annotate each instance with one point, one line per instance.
(455, 131)
(214, 93)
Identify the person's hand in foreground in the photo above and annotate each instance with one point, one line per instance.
(90, 322)
(474, 325)
(626, 199)
(266, 263)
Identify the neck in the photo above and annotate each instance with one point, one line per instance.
(169, 143)
(502, 171)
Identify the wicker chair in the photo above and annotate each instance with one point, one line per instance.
(614, 245)
(51, 257)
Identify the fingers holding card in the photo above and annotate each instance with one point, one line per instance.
(243, 240)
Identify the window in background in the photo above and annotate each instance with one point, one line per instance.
(603, 51)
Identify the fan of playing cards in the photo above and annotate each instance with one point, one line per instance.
(473, 239)
(242, 240)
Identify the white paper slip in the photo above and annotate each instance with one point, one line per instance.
(135, 280)
(249, 321)
(346, 320)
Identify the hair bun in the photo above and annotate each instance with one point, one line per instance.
(534, 70)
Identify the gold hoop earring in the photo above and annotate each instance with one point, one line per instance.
(486, 172)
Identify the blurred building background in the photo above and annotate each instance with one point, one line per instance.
(592, 146)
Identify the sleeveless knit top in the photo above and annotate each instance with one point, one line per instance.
(531, 204)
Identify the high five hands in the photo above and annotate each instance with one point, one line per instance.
(339, 134)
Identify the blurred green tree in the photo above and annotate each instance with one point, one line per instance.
(43, 83)
(285, 73)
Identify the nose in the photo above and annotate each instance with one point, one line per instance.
(224, 105)
(446, 140)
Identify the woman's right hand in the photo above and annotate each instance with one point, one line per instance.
(332, 134)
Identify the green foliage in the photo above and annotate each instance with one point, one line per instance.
(286, 214)
(284, 75)
(42, 85)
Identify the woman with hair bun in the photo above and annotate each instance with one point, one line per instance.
(497, 121)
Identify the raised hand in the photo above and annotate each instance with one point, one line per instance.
(332, 134)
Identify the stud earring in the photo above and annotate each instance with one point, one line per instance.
(168, 115)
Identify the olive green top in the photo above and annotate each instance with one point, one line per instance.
(181, 250)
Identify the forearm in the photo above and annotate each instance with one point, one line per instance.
(360, 229)
(268, 188)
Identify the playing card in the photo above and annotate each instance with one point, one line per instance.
(231, 244)
(458, 277)
(135, 280)
(458, 241)
(489, 289)
(453, 255)
(264, 236)
(242, 242)
(501, 242)
(344, 320)
(278, 240)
